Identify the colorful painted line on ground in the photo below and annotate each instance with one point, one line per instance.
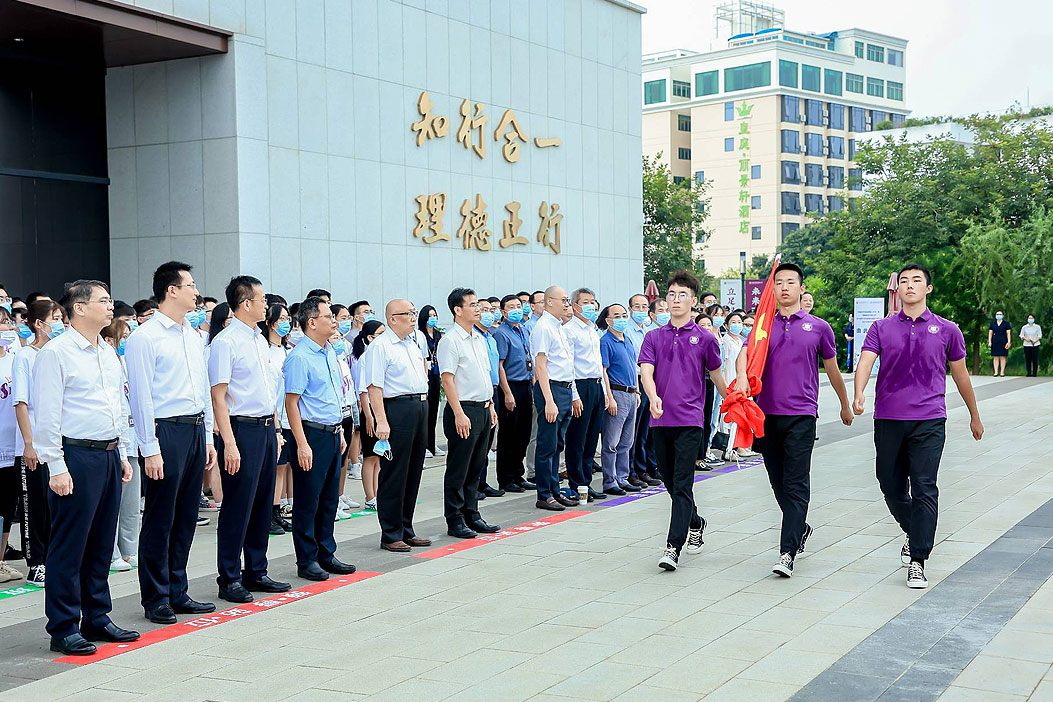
(699, 477)
(172, 631)
(16, 591)
(484, 539)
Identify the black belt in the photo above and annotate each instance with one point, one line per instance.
(560, 383)
(198, 419)
(97, 444)
(524, 380)
(258, 421)
(589, 380)
(418, 396)
(327, 428)
(476, 403)
(622, 388)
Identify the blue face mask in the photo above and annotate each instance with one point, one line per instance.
(718, 321)
(620, 325)
(487, 319)
(344, 326)
(735, 328)
(383, 448)
(57, 328)
(120, 347)
(433, 322)
(339, 346)
(746, 331)
(369, 317)
(526, 309)
(6, 306)
(284, 328)
(24, 331)
(590, 312)
(132, 325)
(640, 317)
(998, 317)
(515, 315)
(195, 318)
(662, 318)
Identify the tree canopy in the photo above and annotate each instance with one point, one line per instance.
(674, 214)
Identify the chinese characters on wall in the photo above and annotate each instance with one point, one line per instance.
(474, 231)
(743, 113)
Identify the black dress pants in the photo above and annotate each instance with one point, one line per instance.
(83, 529)
(514, 434)
(170, 514)
(36, 517)
(583, 433)
(787, 449)
(434, 385)
(465, 461)
(399, 480)
(248, 496)
(1031, 361)
(316, 494)
(908, 459)
(676, 449)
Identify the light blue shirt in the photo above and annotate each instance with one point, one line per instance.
(491, 348)
(313, 373)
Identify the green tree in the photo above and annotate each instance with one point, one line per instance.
(674, 214)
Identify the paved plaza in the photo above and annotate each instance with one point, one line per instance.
(572, 606)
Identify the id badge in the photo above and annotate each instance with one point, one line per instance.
(131, 422)
(345, 411)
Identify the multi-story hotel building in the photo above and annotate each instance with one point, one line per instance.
(770, 119)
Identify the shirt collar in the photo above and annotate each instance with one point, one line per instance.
(79, 339)
(799, 314)
(923, 317)
(245, 328)
(166, 321)
(690, 326)
(580, 323)
(461, 333)
(311, 345)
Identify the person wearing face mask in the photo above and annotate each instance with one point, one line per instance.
(343, 357)
(10, 488)
(276, 327)
(593, 397)
(296, 334)
(515, 406)
(19, 312)
(361, 312)
(999, 339)
(427, 336)
(172, 411)
(1031, 336)
(126, 544)
(731, 346)
(643, 466)
(44, 319)
(370, 458)
(485, 325)
(537, 310)
(850, 337)
(618, 355)
(313, 402)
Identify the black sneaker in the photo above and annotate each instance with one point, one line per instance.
(276, 528)
(669, 559)
(904, 553)
(916, 579)
(694, 539)
(784, 567)
(804, 539)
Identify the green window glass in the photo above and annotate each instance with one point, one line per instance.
(706, 83)
(683, 123)
(853, 83)
(895, 90)
(755, 75)
(859, 49)
(787, 74)
(875, 87)
(654, 91)
(811, 78)
(831, 82)
(681, 89)
(875, 53)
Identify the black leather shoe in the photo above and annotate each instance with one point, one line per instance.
(276, 528)
(235, 592)
(479, 495)
(482, 527)
(596, 495)
(492, 492)
(513, 487)
(337, 567)
(636, 482)
(614, 491)
(550, 504)
(265, 584)
(312, 571)
(629, 487)
(160, 614)
(526, 485)
(73, 645)
(460, 531)
(111, 632)
(650, 479)
(189, 606)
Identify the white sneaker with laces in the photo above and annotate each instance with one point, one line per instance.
(371, 505)
(348, 504)
(694, 539)
(119, 565)
(36, 576)
(904, 553)
(669, 558)
(342, 513)
(356, 471)
(784, 566)
(916, 579)
(7, 573)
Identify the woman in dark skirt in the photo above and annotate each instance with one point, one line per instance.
(427, 337)
(999, 338)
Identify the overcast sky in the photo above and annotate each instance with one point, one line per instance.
(964, 56)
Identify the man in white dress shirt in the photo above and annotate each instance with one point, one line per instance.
(243, 401)
(554, 394)
(398, 393)
(77, 389)
(464, 365)
(583, 433)
(172, 411)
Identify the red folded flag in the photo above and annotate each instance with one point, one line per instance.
(740, 408)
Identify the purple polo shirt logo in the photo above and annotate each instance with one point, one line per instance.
(693, 340)
(933, 329)
(807, 326)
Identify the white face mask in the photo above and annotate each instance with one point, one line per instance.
(295, 336)
(8, 338)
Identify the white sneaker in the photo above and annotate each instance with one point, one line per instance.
(669, 559)
(694, 539)
(492, 455)
(904, 553)
(356, 471)
(746, 453)
(916, 579)
(119, 565)
(429, 454)
(7, 573)
(371, 505)
(439, 451)
(133, 561)
(342, 513)
(348, 504)
(36, 576)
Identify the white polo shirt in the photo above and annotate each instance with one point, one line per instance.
(464, 355)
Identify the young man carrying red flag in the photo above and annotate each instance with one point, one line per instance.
(789, 398)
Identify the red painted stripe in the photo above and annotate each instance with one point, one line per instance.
(172, 631)
(484, 539)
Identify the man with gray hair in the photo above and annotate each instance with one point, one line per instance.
(587, 412)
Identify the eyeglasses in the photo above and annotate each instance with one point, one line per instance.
(564, 300)
(102, 300)
(331, 317)
(6, 299)
(411, 313)
(671, 295)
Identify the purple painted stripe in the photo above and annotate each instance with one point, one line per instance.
(660, 490)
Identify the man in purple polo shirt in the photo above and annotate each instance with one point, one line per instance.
(789, 397)
(910, 410)
(673, 362)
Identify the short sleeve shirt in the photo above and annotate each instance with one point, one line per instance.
(619, 358)
(790, 384)
(313, 373)
(681, 359)
(513, 347)
(912, 378)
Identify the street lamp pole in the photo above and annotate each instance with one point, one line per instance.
(742, 273)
